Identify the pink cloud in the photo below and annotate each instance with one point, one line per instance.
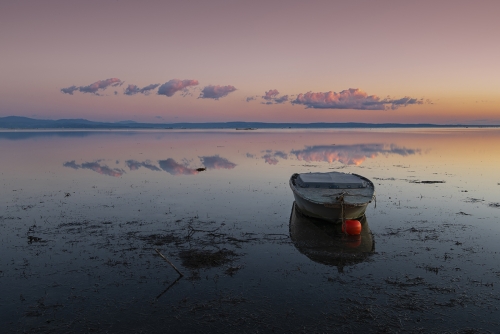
(349, 154)
(135, 165)
(268, 158)
(93, 88)
(352, 98)
(174, 168)
(133, 89)
(270, 94)
(103, 169)
(216, 162)
(69, 90)
(282, 99)
(216, 92)
(96, 167)
(169, 88)
(271, 157)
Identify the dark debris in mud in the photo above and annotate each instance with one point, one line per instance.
(427, 182)
(119, 257)
(474, 200)
(463, 213)
(199, 258)
(160, 239)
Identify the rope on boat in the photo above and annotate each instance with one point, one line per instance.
(342, 213)
(344, 193)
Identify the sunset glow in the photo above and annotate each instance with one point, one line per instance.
(272, 61)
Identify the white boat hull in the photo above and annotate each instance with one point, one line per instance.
(329, 211)
(329, 204)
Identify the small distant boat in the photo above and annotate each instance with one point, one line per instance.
(332, 196)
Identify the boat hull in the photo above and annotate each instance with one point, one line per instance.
(329, 208)
(329, 211)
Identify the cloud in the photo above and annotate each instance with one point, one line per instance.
(352, 98)
(271, 96)
(135, 165)
(349, 154)
(93, 88)
(404, 102)
(216, 92)
(250, 98)
(96, 167)
(174, 168)
(250, 155)
(69, 90)
(72, 164)
(281, 154)
(169, 88)
(103, 169)
(268, 158)
(271, 157)
(216, 162)
(133, 89)
(282, 99)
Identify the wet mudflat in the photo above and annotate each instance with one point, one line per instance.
(80, 240)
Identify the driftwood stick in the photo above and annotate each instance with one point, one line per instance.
(168, 288)
(169, 262)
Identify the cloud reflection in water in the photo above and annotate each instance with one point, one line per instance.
(349, 154)
(169, 165)
(175, 168)
(271, 157)
(96, 167)
(135, 165)
(216, 162)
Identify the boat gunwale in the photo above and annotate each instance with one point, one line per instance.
(295, 190)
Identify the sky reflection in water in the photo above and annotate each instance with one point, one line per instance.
(429, 241)
(250, 159)
(346, 154)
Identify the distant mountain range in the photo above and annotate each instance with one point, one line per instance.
(16, 122)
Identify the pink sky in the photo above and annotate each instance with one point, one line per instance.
(271, 61)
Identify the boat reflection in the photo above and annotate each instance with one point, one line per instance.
(324, 242)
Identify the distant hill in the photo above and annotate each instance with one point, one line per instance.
(16, 122)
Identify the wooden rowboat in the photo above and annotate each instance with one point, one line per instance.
(332, 196)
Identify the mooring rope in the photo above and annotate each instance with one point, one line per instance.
(345, 194)
(342, 213)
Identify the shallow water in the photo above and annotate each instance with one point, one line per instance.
(83, 212)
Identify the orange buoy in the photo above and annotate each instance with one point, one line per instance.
(352, 227)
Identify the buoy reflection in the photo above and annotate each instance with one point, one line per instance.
(324, 242)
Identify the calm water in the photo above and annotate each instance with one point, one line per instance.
(83, 212)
